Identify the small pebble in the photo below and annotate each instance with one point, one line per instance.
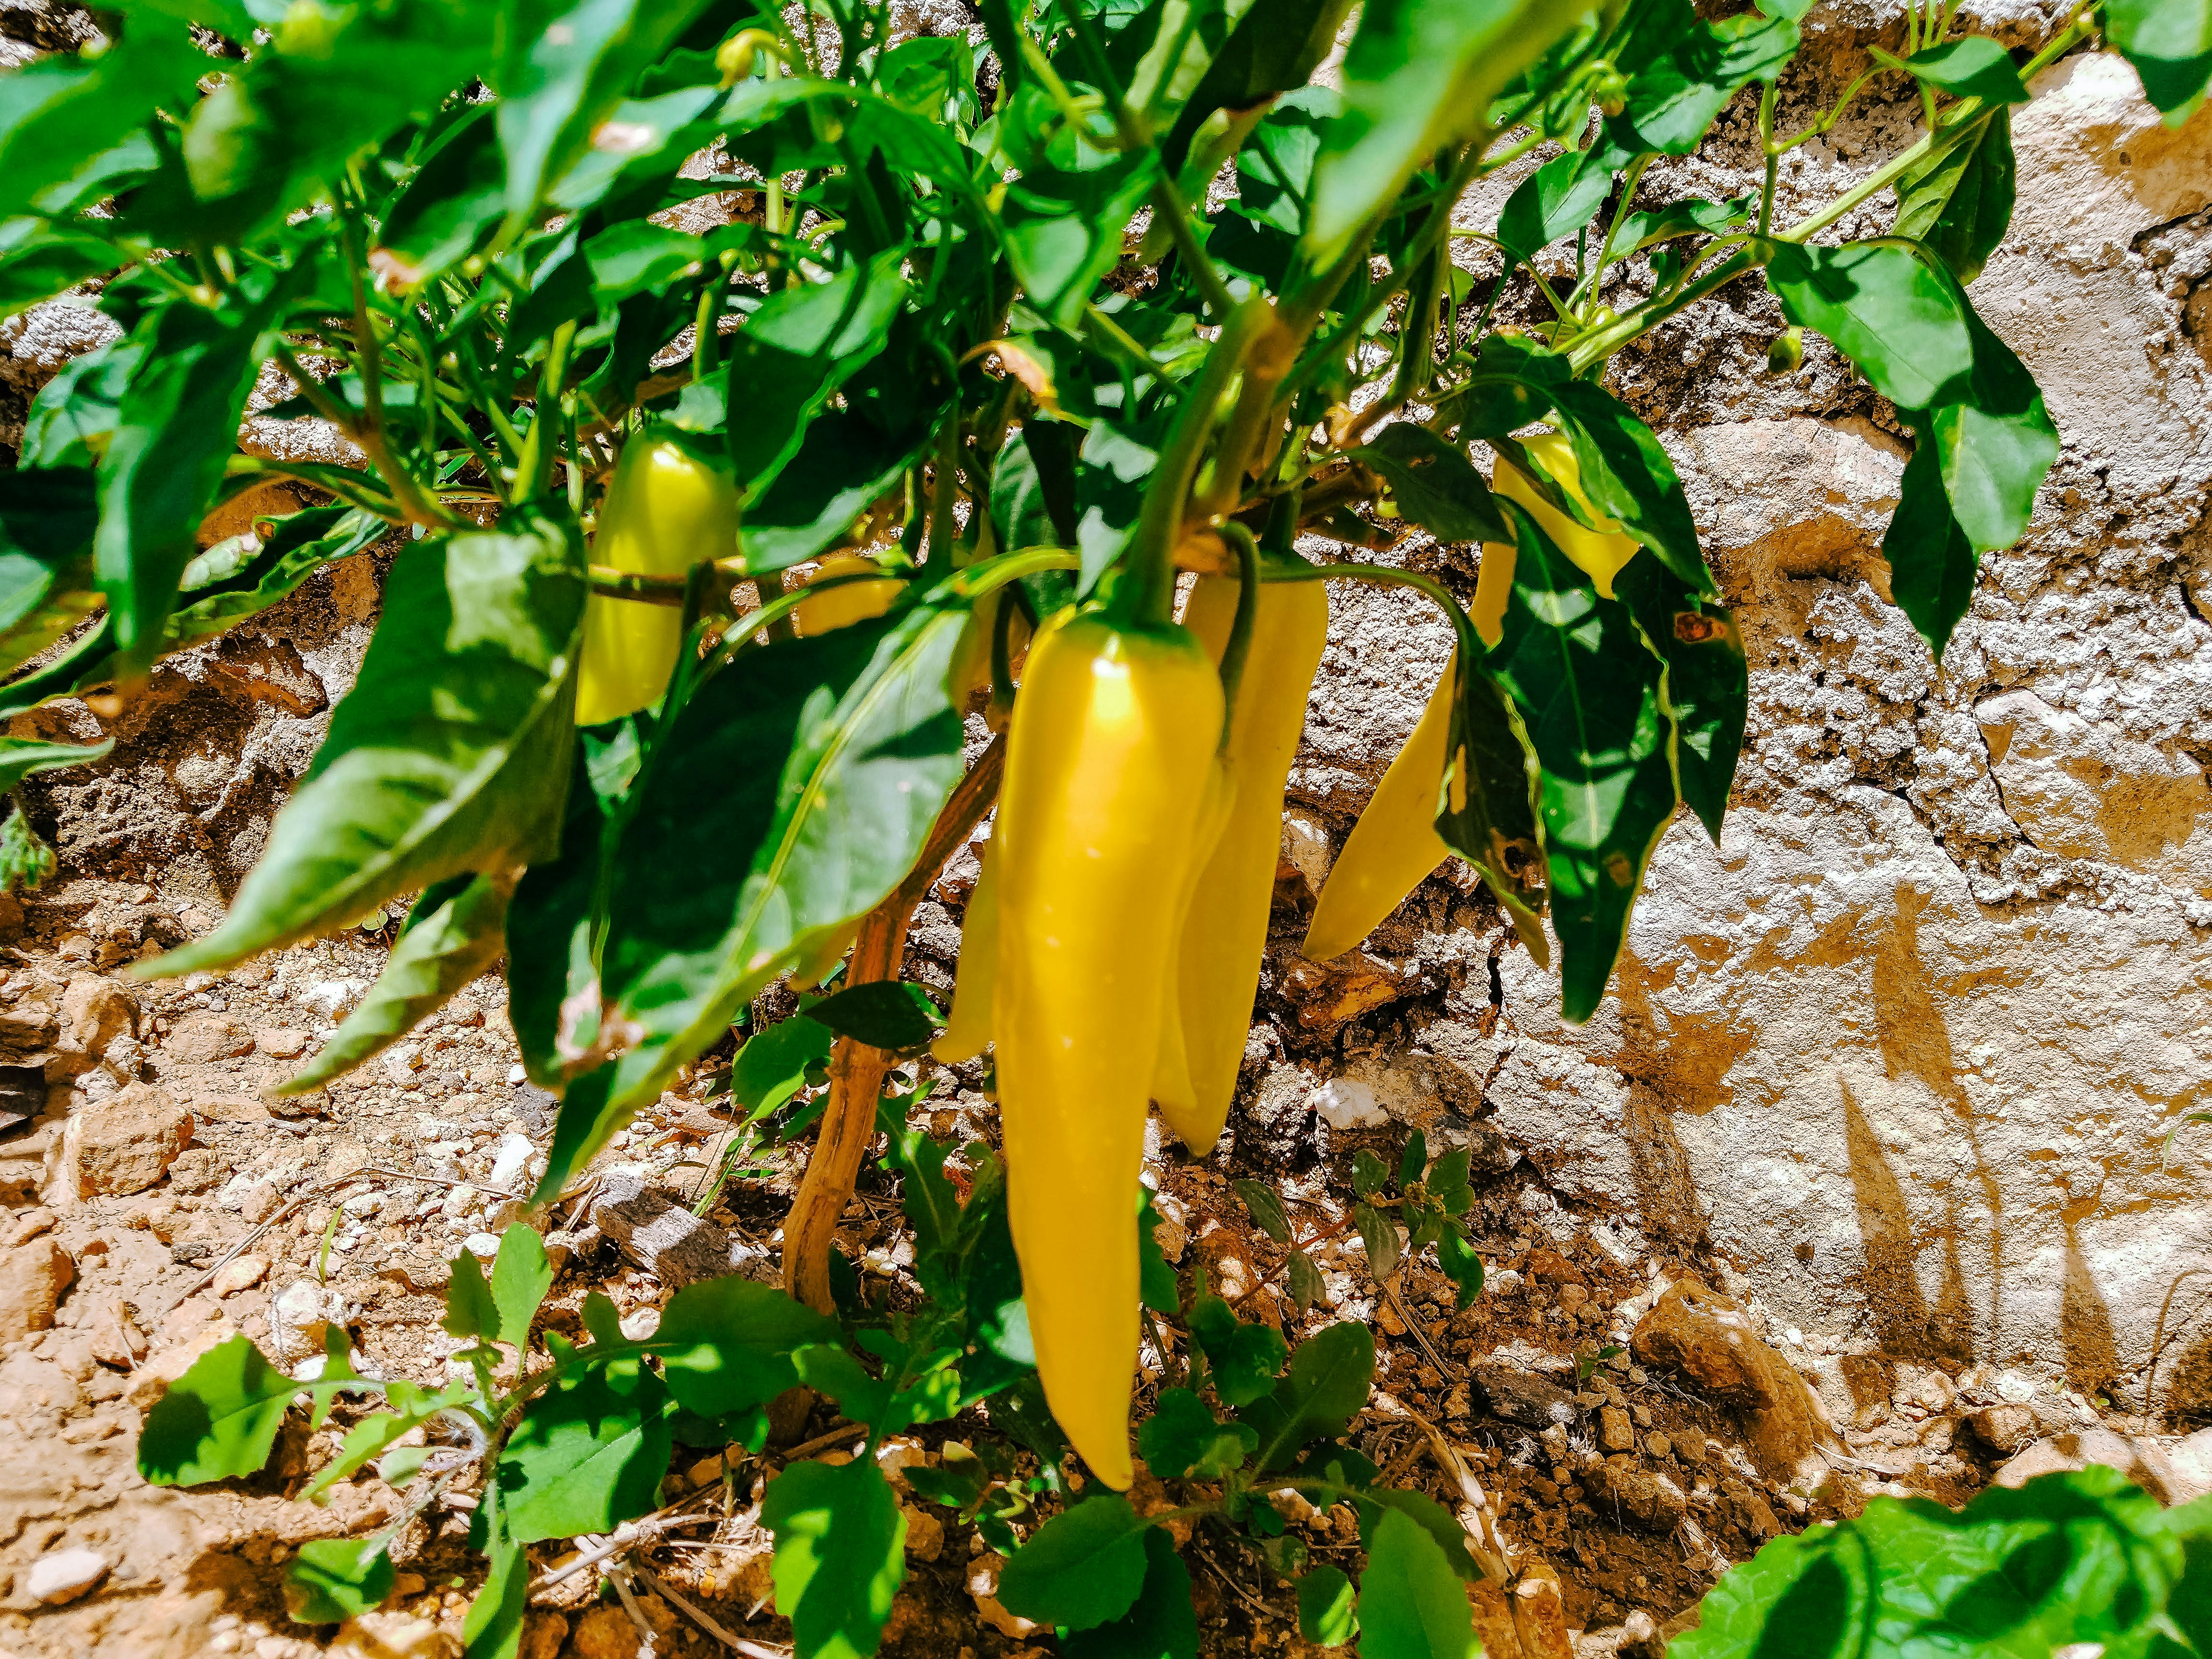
(64, 1575)
(243, 1273)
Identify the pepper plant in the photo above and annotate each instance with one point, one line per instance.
(625, 313)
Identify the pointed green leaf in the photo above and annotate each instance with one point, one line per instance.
(176, 426)
(1627, 476)
(839, 1555)
(1461, 1263)
(1378, 1232)
(1559, 198)
(1083, 1567)
(726, 1344)
(588, 1454)
(332, 1579)
(1486, 804)
(407, 1407)
(1589, 691)
(1995, 440)
(1306, 1288)
(1412, 1605)
(1243, 1358)
(450, 752)
(1435, 485)
(1327, 1387)
(1325, 1608)
(457, 943)
(1265, 1205)
(59, 115)
(1959, 205)
(1885, 310)
(1707, 686)
(1161, 1624)
(492, 1627)
(1974, 67)
(885, 1013)
(218, 1420)
(520, 1276)
(796, 349)
(1673, 100)
(837, 753)
(1432, 1517)
(1932, 565)
(843, 464)
(22, 756)
(1417, 77)
(469, 1309)
(2169, 42)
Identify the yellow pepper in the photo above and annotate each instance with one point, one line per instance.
(1600, 553)
(849, 602)
(1225, 933)
(1174, 1090)
(967, 1030)
(1112, 739)
(666, 511)
(1395, 846)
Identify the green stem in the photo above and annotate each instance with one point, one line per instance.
(533, 468)
(1471, 647)
(1239, 644)
(1159, 522)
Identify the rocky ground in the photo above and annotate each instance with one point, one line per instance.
(1621, 1422)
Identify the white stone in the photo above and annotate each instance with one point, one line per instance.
(510, 1162)
(1348, 1103)
(64, 1575)
(482, 1244)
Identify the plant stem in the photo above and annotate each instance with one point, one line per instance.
(1239, 644)
(856, 1069)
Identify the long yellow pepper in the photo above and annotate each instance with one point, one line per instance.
(1396, 846)
(1113, 738)
(967, 1030)
(1224, 932)
(849, 601)
(666, 511)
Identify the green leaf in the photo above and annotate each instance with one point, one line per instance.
(2067, 1558)
(407, 1407)
(1460, 1263)
(588, 1454)
(1243, 1358)
(520, 1276)
(1448, 1181)
(2169, 43)
(1932, 565)
(451, 753)
(1161, 1624)
(38, 260)
(22, 756)
(1707, 686)
(1417, 77)
(837, 753)
(1306, 1288)
(458, 192)
(493, 1627)
(564, 75)
(1590, 693)
(1064, 227)
(1435, 485)
(1975, 67)
(218, 1420)
(1375, 1506)
(332, 1579)
(1325, 1617)
(1412, 1605)
(773, 1064)
(554, 919)
(1673, 101)
(73, 417)
(1689, 218)
(893, 1014)
(1265, 1205)
(1559, 197)
(1083, 1567)
(60, 114)
(457, 942)
(1369, 1174)
(1155, 1279)
(1995, 440)
(1627, 476)
(469, 1309)
(1273, 48)
(1959, 205)
(839, 1555)
(1885, 310)
(26, 861)
(726, 1344)
(176, 426)
(1414, 1160)
(1487, 804)
(843, 464)
(1274, 170)
(1183, 1440)
(1325, 1389)
(1378, 1232)
(796, 349)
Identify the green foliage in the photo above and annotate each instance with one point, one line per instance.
(334, 1578)
(964, 339)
